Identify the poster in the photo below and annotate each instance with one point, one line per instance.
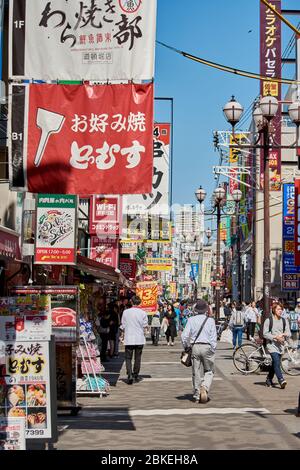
(147, 291)
(105, 215)
(25, 388)
(105, 250)
(157, 202)
(91, 40)
(81, 139)
(128, 267)
(12, 434)
(25, 318)
(56, 229)
(270, 66)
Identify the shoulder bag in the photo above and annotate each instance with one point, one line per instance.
(186, 356)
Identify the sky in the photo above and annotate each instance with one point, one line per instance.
(223, 31)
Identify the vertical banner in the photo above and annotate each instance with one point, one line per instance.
(270, 66)
(55, 237)
(105, 215)
(290, 272)
(147, 291)
(206, 267)
(94, 40)
(1, 35)
(297, 222)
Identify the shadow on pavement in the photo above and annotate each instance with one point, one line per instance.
(292, 411)
(97, 418)
(187, 396)
(113, 369)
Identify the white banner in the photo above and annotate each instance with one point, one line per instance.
(82, 40)
(206, 267)
(158, 201)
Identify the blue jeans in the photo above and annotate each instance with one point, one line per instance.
(275, 367)
(237, 334)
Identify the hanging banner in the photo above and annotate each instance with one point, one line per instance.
(105, 250)
(55, 241)
(105, 215)
(81, 139)
(206, 267)
(158, 201)
(236, 153)
(270, 66)
(290, 272)
(128, 267)
(297, 222)
(147, 291)
(91, 40)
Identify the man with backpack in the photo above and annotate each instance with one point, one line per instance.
(276, 331)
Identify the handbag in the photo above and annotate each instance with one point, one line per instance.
(186, 356)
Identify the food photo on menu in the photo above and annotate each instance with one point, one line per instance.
(16, 395)
(36, 418)
(36, 395)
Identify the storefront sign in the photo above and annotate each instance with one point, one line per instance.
(12, 433)
(236, 153)
(80, 138)
(105, 250)
(128, 267)
(105, 215)
(146, 228)
(270, 66)
(128, 248)
(25, 391)
(159, 264)
(290, 272)
(147, 291)
(158, 201)
(291, 225)
(56, 229)
(94, 40)
(9, 244)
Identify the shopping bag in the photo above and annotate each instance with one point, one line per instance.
(226, 336)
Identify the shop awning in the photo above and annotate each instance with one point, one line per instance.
(9, 244)
(101, 271)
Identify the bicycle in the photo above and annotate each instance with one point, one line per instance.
(249, 357)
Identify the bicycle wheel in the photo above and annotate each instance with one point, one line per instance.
(247, 358)
(290, 362)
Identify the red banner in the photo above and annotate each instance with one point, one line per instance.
(105, 215)
(128, 267)
(147, 291)
(85, 139)
(297, 222)
(105, 250)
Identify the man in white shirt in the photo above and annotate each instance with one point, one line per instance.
(134, 322)
(203, 349)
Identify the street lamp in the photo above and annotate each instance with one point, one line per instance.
(219, 200)
(263, 114)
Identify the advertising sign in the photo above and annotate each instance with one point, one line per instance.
(25, 390)
(9, 244)
(290, 272)
(159, 264)
(236, 153)
(146, 228)
(270, 66)
(147, 291)
(297, 222)
(105, 215)
(157, 202)
(55, 241)
(77, 139)
(12, 434)
(25, 318)
(128, 267)
(128, 248)
(94, 40)
(195, 270)
(206, 267)
(105, 250)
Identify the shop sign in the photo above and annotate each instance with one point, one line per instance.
(128, 248)
(235, 152)
(55, 240)
(9, 244)
(159, 264)
(105, 215)
(206, 267)
(157, 202)
(128, 267)
(80, 138)
(173, 289)
(25, 390)
(12, 433)
(147, 291)
(290, 268)
(65, 374)
(105, 250)
(25, 318)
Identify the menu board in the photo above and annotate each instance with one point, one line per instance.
(12, 434)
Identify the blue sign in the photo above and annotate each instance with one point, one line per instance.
(290, 272)
(195, 270)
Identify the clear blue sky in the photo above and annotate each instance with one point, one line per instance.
(223, 31)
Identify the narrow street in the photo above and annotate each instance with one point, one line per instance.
(158, 413)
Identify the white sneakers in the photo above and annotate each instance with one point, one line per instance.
(203, 395)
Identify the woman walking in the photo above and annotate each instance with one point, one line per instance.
(276, 331)
(171, 330)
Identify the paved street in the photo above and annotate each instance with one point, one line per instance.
(158, 413)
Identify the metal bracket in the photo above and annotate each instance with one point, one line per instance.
(227, 172)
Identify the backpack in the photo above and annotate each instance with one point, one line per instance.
(294, 322)
(271, 323)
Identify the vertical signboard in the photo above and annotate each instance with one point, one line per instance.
(297, 222)
(105, 215)
(55, 241)
(290, 272)
(270, 67)
(105, 250)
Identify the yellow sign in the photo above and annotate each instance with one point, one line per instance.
(147, 291)
(159, 264)
(234, 153)
(270, 88)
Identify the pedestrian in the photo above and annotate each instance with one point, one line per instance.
(200, 333)
(251, 318)
(171, 331)
(114, 323)
(276, 331)
(155, 328)
(237, 324)
(294, 322)
(133, 325)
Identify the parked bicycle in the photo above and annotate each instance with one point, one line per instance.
(250, 357)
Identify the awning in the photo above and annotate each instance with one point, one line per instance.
(9, 244)
(101, 271)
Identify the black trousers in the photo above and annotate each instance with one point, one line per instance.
(137, 349)
(250, 329)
